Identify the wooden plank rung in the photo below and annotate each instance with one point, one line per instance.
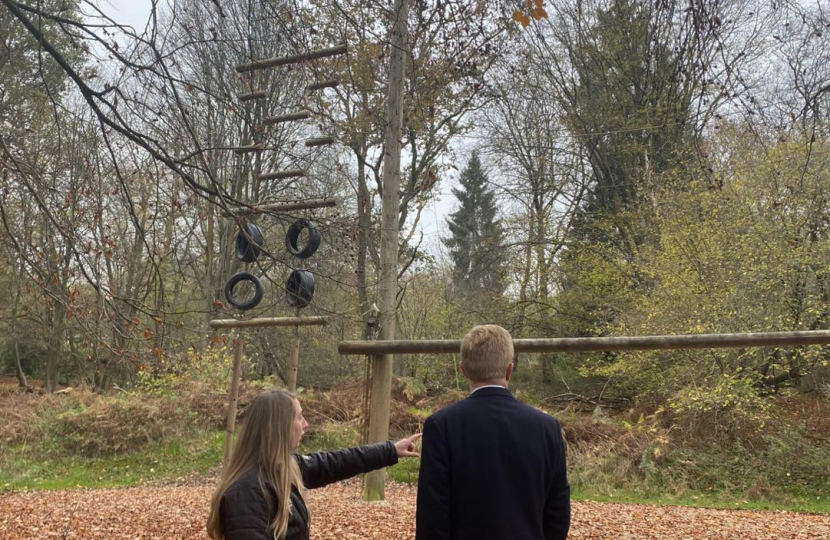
(302, 115)
(320, 141)
(292, 59)
(331, 83)
(256, 147)
(256, 94)
(279, 175)
(283, 206)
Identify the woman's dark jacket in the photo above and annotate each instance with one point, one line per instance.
(247, 515)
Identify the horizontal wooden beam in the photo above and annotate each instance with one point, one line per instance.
(301, 115)
(257, 147)
(638, 343)
(293, 59)
(331, 83)
(283, 206)
(319, 141)
(290, 173)
(256, 94)
(268, 322)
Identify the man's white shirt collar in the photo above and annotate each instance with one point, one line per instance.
(488, 386)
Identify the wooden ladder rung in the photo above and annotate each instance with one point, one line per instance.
(278, 175)
(331, 83)
(302, 115)
(256, 94)
(283, 206)
(320, 141)
(256, 147)
(293, 59)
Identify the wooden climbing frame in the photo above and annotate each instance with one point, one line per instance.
(233, 395)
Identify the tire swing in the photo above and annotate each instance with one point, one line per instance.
(249, 241)
(234, 281)
(292, 238)
(299, 289)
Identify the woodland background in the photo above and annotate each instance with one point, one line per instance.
(621, 168)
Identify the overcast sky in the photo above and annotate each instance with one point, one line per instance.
(132, 12)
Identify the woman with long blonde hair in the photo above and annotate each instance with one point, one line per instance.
(260, 494)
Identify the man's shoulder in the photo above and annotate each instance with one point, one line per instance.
(541, 416)
(469, 406)
(449, 411)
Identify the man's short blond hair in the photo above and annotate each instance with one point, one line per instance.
(486, 351)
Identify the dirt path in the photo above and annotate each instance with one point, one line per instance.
(178, 513)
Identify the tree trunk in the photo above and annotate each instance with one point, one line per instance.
(18, 368)
(545, 360)
(541, 232)
(364, 221)
(210, 289)
(524, 283)
(55, 346)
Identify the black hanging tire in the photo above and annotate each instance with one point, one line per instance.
(299, 289)
(248, 249)
(258, 291)
(293, 235)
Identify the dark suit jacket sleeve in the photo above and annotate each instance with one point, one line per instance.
(323, 468)
(557, 517)
(432, 515)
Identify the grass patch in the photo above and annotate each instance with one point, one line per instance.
(24, 469)
(336, 435)
(330, 436)
(405, 470)
(796, 503)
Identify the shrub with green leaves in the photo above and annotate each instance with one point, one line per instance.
(210, 368)
(727, 403)
(115, 425)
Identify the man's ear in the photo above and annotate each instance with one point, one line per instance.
(509, 372)
(461, 366)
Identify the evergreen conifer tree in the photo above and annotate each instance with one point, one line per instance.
(476, 235)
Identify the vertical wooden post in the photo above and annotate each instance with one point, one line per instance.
(373, 487)
(233, 399)
(294, 361)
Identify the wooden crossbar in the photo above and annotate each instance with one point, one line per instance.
(292, 59)
(266, 322)
(279, 175)
(256, 94)
(638, 343)
(284, 206)
(331, 83)
(256, 147)
(319, 141)
(302, 115)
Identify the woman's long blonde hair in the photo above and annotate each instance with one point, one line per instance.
(264, 443)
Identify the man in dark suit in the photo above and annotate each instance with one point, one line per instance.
(491, 467)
